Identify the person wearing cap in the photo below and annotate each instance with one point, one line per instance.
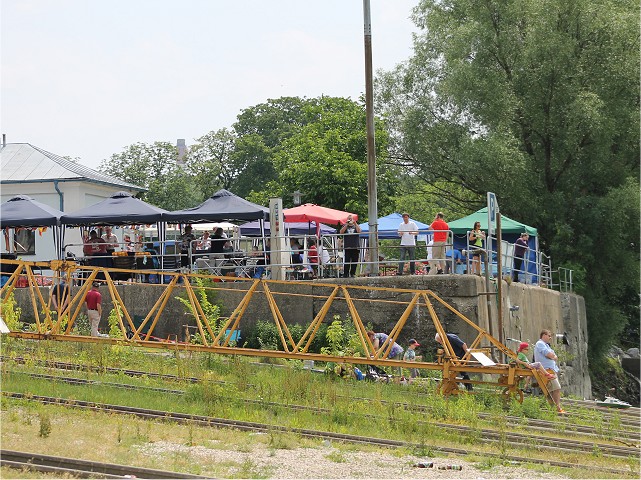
(522, 359)
(93, 302)
(410, 356)
(543, 353)
(520, 247)
(407, 231)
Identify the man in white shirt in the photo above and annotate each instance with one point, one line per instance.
(110, 239)
(407, 231)
(543, 353)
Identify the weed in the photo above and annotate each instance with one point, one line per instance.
(422, 450)
(248, 469)
(190, 435)
(336, 456)
(206, 297)
(281, 441)
(81, 326)
(114, 319)
(45, 425)
(11, 313)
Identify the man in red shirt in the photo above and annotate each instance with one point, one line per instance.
(93, 301)
(440, 240)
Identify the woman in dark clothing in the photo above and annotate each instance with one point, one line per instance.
(218, 240)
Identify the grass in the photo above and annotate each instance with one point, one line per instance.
(355, 408)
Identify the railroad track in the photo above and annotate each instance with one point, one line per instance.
(624, 436)
(81, 468)
(201, 420)
(547, 441)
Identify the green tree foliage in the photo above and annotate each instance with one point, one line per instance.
(324, 155)
(260, 130)
(537, 101)
(140, 163)
(209, 162)
(154, 167)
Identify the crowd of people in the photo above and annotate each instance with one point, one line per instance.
(341, 254)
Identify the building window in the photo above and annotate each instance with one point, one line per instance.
(24, 242)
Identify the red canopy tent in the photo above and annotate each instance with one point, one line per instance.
(315, 213)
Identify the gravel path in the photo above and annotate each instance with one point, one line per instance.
(328, 462)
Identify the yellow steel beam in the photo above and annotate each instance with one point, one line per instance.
(316, 323)
(508, 375)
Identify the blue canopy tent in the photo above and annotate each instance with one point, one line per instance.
(388, 227)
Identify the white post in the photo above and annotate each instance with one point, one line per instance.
(278, 253)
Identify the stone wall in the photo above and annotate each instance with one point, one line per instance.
(538, 308)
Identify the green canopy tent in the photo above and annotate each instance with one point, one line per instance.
(510, 231)
(509, 226)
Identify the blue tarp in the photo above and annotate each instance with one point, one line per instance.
(388, 226)
(252, 229)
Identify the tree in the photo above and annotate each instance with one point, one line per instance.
(140, 163)
(154, 167)
(325, 157)
(260, 131)
(537, 101)
(209, 162)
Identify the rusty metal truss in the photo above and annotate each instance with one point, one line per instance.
(58, 325)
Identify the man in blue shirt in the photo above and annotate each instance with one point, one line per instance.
(456, 255)
(543, 353)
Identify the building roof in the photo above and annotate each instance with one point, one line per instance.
(25, 163)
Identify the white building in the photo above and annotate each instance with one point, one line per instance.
(57, 182)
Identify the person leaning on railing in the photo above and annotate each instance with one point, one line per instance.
(476, 239)
(520, 247)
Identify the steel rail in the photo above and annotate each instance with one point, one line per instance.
(547, 425)
(632, 412)
(83, 468)
(554, 443)
(255, 426)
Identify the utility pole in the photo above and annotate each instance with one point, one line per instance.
(372, 196)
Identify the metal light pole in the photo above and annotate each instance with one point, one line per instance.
(372, 196)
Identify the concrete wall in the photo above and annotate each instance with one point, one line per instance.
(538, 308)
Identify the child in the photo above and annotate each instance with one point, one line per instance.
(523, 360)
(410, 356)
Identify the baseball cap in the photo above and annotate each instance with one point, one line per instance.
(523, 346)
(413, 341)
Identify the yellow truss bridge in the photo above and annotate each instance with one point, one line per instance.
(51, 325)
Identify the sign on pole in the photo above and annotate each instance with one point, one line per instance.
(492, 210)
(278, 248)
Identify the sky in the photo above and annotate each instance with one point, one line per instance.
(87, 78)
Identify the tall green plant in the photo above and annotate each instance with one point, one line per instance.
(206, 298)
(11, 313)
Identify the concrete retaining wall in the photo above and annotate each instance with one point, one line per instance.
(538, 308)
